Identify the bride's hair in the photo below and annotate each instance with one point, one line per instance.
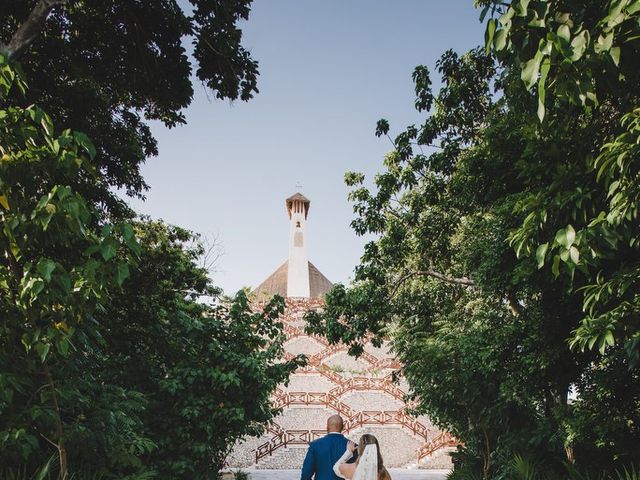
(368, 439)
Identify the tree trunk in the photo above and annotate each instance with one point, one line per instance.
(59, 444)
(486, 468)
(30, 29)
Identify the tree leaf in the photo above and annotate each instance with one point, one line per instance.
(555, 268)
(43, 473)
(43, 350)
(541, 251)
(500, 39)
(4, 201)
(544, 72)
(122, 273)
(530, 70)
(574, 254)
(489, 34)
(579, 45)
(615, 55)
(108, 250)
(604, 43)
(570, 236)
(609, 338)
(45, 268)
(564, 33)
(521, 7)
(633, 7)
(82, 140)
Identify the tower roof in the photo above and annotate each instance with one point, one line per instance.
(297, 197)
(276, 283)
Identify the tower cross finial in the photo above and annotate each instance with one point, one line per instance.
(298, 186)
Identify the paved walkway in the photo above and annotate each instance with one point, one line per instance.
(396, 474)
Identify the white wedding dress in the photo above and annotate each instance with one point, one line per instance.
(367, 468)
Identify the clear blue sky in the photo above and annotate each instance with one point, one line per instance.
(328, 71)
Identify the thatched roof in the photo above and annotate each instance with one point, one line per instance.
(276, 283)
(319, 285)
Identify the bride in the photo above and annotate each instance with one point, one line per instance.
(369, 465)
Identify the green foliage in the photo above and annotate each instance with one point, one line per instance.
(108, 68)
(582, 52)
(117, 360)
(629, 473)
(591, 51)
(57, 271)
(240, 475)
(503, 267)
(464, 473)
(208, 371)
(524, 469)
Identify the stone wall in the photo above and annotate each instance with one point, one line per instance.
(360, 390)
(364, 400)
(308, 383)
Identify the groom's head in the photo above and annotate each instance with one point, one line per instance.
(334, 423)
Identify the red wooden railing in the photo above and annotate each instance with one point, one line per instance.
(295, 332)
(283, 438)
(353, 419)
(441, 440)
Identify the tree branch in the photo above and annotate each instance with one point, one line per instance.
(514, 306)
(62, 451)
(30, 29)
(465, 281)
(447, 279)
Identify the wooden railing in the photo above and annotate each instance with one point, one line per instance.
(441, 440)
(282, 438)
(345, 385)
(331, 399)
(353, 420)
(295, 332)
(278, 440)
(284, 399)
(368, 384)
(358, 419)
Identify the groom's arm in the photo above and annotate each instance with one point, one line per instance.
(309, 465)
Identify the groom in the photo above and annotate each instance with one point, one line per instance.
(325, 451)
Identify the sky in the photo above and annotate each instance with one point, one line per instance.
(328, 71)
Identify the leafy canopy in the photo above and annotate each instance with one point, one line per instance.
(109, 67)
(504, 265)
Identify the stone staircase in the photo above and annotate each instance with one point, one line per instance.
(367, 397)
(285, 458)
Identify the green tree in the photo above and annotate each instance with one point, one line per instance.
(583, 57)
(207, 370)
(119, 377)
(481, 328)
(59, 266)
(108, 67)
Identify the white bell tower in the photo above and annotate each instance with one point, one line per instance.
(298, 265)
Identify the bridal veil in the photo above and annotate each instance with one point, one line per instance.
(368, 464)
